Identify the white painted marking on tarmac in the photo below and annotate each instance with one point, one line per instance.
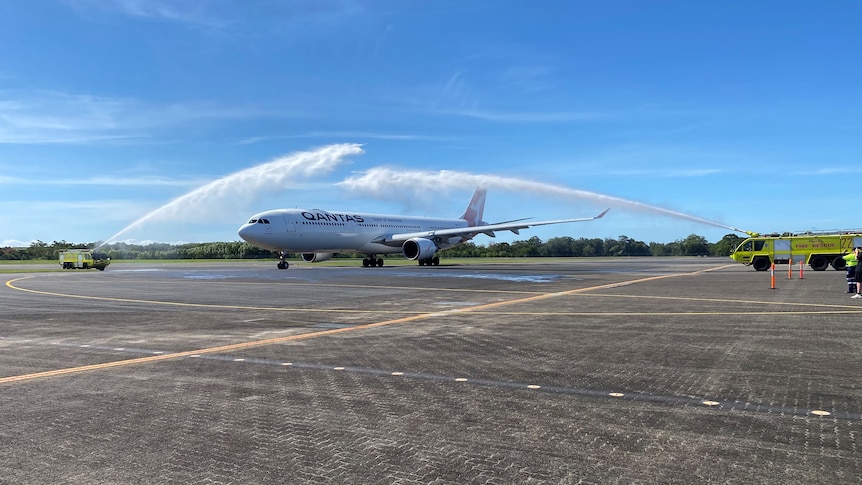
(571, 391)
(618, 285)
(144, 270)
(84, 346)
(253, 320)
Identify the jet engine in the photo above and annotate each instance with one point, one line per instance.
(418, 248)
(316, 257)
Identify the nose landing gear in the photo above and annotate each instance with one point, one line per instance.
(282, 264)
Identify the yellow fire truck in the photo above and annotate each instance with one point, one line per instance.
(817, 250)
(83, 259)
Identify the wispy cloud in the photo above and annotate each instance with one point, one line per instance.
(457, 96)
(343, 134)
(671, 173)
(528, 78)
(828, 171)
(191, 12)
(186, 12)
(29, 217)
(145, 181)
(528, 116)
(220, 16)
(14, 243)
(50, 117)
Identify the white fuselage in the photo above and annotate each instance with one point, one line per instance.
(313, 230)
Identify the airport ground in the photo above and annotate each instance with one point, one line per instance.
(623, 370)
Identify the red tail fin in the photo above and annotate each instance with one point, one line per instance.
(473, 213)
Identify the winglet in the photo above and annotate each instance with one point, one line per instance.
(476, 208)
(602, 214)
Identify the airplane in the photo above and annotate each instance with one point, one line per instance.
(318, 234)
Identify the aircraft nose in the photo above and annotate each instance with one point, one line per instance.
(245, 232)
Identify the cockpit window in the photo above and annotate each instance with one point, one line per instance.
(252, 221)
(263, 221)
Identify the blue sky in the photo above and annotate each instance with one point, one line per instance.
(747, 114)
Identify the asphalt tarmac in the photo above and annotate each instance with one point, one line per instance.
(623, 370)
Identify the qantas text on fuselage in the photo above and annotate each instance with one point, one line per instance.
(318, 234)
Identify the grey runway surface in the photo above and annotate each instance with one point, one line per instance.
(641, 370)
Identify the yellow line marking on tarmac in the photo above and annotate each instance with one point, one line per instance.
(289, 338)
(211, 350)
(544, 296)
(671, 314)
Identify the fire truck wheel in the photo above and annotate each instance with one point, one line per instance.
(761, 264)
(839, 264)
(818, 263)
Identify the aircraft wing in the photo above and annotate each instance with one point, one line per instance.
(487, 229)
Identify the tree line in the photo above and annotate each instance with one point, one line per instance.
(565, 246)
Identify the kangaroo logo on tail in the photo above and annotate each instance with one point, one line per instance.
(473, 213)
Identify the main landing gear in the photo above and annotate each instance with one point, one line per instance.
(435, 261)
(282, 264)
(370, 262)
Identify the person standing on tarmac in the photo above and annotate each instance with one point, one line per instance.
(850, 262)
(858, 277)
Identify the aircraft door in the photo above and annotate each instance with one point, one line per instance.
(290, 220)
